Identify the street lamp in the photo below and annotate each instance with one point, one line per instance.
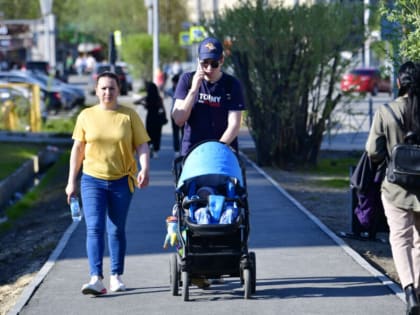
(49, 31)
(149, 5)
(155, 39)
(366, 15)
(153, 5)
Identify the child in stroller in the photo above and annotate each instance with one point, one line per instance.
(213, 219)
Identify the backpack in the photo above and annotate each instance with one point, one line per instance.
(404, 163)
(228, 86)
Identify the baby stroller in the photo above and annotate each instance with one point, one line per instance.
(213, 219)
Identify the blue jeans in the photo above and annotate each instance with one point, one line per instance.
(105, 201)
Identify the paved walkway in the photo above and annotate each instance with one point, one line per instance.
(302, 267)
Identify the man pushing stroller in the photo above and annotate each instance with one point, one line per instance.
(208, 102)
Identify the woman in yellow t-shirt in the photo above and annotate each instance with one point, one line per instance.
(106, 138)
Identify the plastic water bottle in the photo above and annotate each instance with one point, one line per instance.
(76, 212)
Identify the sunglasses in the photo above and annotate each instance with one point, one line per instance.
(213, 63)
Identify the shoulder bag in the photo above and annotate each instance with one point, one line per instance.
(162, 116)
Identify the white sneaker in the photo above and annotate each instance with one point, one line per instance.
(94, 287)
(116, 284)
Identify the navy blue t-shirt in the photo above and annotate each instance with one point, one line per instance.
(209, 115)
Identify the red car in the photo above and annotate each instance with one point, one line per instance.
(365, 80)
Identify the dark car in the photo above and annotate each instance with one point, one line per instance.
(72, 95)
(367, 80)
(129, 78)
(101, 67)
(52, 96)
(42, 66)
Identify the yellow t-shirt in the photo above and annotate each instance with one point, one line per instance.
(111, 137)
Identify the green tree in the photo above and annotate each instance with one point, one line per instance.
(289, 61)
(92, 20)
(138, 51)
(405, 14)
(129, 16)
(88, 19)
(20, 9)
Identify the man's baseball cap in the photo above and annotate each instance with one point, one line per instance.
(210, 48)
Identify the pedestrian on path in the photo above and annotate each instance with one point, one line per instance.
(80, 64)
(155, 117)
(208, 102)
(402, 205)
(106, 138)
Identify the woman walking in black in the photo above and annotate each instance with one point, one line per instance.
(155, 118)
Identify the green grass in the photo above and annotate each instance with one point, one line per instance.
(60, 125)
(333, 172)
(20, 208)
(13, 156)
(335, 166)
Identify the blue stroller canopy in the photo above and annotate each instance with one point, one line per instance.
(211, 157)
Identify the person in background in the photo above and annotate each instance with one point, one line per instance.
(106, 138)
(202, 105)
(68, 64)
(160, 79)
(176, 68)
(154, 105)
(401, 205)
(80, 64)
(90, 63)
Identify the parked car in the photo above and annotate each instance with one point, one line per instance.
(367, 80)
(71, 94)
(52, 96)
(101, 67)
(22, 97)
(42, 66)
(128, 76)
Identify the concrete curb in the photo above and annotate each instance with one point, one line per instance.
(24, 176)
(34, 284)
(35, 137)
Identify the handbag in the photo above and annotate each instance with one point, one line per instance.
(362, 176)
(367, 173)
(366, 181)
(404, 166)
(162, 116)
(404, 163)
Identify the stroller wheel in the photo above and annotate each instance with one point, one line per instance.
(247, 283)
(253, 263)
(174, 274)
(185, 285)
